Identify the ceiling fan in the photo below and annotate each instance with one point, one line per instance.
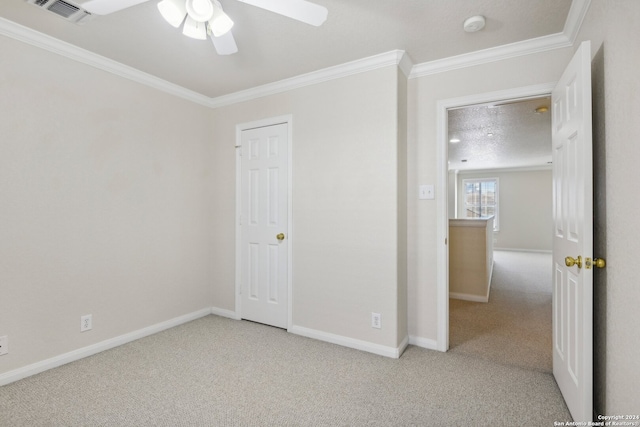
(200, 18)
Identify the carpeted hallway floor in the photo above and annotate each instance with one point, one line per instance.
(514, 327)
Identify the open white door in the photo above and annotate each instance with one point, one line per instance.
(264, 225)
(573, 235)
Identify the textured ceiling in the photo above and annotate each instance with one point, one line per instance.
(505, 134)
(273, 47)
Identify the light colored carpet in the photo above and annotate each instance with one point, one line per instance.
(221, 372)
(514, 327)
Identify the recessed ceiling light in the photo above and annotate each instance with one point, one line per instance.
(454, 140)
(489, 133)
(473, 24)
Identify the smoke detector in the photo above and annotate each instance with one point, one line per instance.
(473, 24)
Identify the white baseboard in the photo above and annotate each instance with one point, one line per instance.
(54, 362)
(423, 342)
(468, 297)
(382, 350)
(225, 313)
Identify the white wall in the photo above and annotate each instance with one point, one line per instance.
(114, 214)
(424, 93)
(346, 223)
(106, 205)
(525, 208)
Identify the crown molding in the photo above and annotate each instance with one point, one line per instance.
(577, 12)
(394, 57)
(485, 56)
(405, 64)
(566, 38)
(398, 58)
(51, 44)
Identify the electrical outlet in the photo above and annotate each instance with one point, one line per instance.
(4, 345)
(85, 323)
(376, 320)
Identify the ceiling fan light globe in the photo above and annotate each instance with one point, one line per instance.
(194, 29)
(200, 10)
(220, 24)
(173, 11)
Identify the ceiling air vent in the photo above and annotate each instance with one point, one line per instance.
(62, 8)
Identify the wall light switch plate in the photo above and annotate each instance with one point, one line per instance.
(427, 192)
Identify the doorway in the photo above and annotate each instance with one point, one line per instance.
(443, 192)
(499, 161)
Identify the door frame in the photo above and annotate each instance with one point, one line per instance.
(442, 190)
(240, 127)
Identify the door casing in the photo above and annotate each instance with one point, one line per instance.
(288, 120)
(442, 191)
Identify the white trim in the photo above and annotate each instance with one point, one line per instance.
(224, 313)
(271, 121)
(574, 20)
(472, 297)
(469, 297)
(381, 350)
(498, 53)
(442, 233)
(577, 12)
(387, 59)
(442, 220)
(43, 41)
(572, 25)
(62, 359)
(51, 44)
(405, 64)
(423, 342)
(566, 38)
(238, 240)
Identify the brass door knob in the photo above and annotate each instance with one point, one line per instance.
(280, 236)
(571, 261)
(599, 262)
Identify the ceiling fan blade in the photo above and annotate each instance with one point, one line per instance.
(105, 7)
(300, 10)
(225, 44)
